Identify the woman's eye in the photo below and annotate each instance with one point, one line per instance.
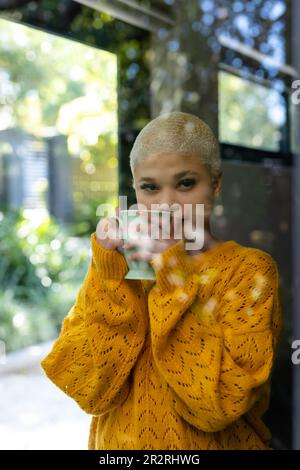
(187, 183)
(148, 187)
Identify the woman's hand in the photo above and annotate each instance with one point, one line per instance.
(107, 233)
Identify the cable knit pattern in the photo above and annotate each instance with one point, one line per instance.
(182, 362)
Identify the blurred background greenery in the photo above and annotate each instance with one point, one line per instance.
(41, 267)
(43, 259)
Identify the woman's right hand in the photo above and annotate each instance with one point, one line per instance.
(107, 233)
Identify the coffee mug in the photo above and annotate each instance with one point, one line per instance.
(130, 220)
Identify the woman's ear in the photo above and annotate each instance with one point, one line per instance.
(218, 183)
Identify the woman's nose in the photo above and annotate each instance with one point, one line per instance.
(167, 198)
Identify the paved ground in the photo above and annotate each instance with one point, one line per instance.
(35, 414)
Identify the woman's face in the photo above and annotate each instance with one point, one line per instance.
(169, 178)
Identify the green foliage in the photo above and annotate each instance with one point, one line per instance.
(16, 270)
(85, 217)
(41, 269)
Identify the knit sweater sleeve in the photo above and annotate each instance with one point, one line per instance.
(101, 336)
(215, 356)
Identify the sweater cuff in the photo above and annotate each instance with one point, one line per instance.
(172, 267)
(110, 264)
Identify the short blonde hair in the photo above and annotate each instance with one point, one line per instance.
(178, 132)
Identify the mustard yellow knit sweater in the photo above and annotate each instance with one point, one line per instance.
(183, 362)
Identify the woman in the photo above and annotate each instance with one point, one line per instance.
(183, 362)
